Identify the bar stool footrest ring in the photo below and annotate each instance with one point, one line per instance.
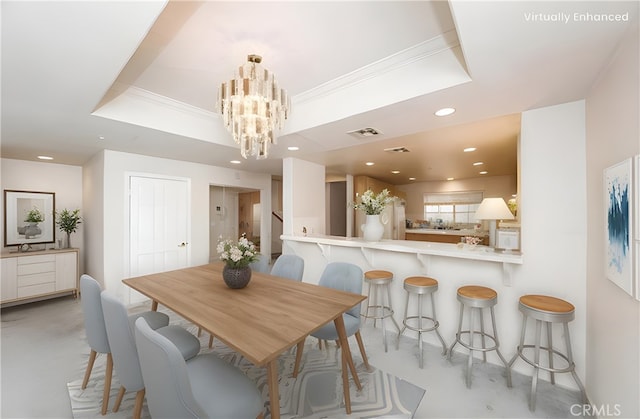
(570, 368)
(434, 324)
(386, 312)
(476, 348)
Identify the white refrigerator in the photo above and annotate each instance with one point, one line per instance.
(394, 220)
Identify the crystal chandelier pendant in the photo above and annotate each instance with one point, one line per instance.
(253, 108)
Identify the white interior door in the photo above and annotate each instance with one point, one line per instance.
(158, 226)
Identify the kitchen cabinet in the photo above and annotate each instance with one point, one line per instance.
(40, 274)
(362, 183)
(442, 236)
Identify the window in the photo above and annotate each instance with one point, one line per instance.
(452, 207)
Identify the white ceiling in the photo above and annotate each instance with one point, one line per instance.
(144, 76)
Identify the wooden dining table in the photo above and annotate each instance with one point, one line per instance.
(260, 321)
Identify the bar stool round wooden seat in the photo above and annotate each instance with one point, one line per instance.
(547, 310)
(379, 307)
(477, 298)
(419, 286)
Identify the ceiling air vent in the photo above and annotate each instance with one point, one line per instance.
(397, 150)
(364, 132)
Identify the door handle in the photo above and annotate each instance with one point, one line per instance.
(183, 244)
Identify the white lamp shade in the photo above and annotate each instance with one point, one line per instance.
(493, 209)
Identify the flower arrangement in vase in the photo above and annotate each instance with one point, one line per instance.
(373, 204)
(237, 255)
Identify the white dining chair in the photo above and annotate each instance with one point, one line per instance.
(345, 277)
(124, 352)
(202, 387)
(97, 334)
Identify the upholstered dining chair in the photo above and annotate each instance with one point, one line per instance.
(124, 352)
(288, 266)
(202, 387)
(97, 334)
(345, 277)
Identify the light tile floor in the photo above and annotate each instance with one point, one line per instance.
(42, 346)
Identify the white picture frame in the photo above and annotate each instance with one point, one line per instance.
(618, 222)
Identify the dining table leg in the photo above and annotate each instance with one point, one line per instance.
(154, 305)
(274, 393)
(347, 363)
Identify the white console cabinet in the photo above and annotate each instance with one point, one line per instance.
(37, 275)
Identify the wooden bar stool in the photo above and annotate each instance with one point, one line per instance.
(547, 310)
(477, 298)
(380, 285)
(419, 286)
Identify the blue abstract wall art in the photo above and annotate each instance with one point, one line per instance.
(618, 199)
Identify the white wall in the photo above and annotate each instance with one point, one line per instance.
(613, 327)
(93, 199)
(303, 199)
(118, 165)
(63, 180)
(553, 215)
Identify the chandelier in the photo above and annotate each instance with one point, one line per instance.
(253, 107)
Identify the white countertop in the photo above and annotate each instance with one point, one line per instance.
(458, 250)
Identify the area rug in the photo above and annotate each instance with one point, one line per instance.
(316, 393)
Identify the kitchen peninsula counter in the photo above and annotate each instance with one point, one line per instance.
(419, 249)
(452, 265)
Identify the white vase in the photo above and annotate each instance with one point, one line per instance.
(373, 229)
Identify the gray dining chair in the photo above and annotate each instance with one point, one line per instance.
(202, 387)
(288, 266)
(345, 277)
(124, 352)
(97, 334)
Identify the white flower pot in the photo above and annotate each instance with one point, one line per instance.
(373, 229)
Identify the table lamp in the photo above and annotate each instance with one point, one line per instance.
(493, 209)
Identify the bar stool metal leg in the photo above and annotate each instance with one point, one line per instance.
(444, 345)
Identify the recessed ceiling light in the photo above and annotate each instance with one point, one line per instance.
(45, 157)
(484, 172)
(412, 178)
(450, 178)
(469, 149)
(395, 172)
(235, 162)
(369, 163)
(444, 111)
(101, 137)
(293, 148)
(478, 163)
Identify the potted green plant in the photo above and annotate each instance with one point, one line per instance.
(68, 222)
